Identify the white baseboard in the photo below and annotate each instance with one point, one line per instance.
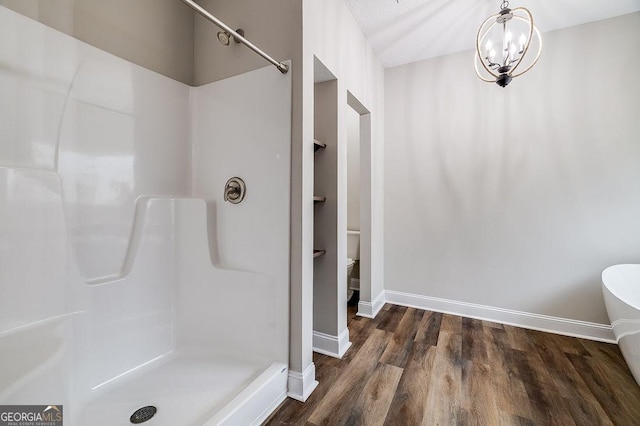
(300, 385)
(564, 326)
(334, 346)
(371, 309)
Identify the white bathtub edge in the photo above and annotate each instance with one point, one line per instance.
(257, 401)
(549, 324)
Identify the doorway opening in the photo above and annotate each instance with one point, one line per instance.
(359, 199)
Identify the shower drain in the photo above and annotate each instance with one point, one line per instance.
(143, 414)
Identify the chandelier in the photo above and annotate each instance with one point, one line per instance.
(498, 50)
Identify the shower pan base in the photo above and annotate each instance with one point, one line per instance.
(188, 390)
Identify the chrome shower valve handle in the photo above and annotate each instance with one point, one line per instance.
(234, 190)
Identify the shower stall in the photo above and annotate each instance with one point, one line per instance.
(129, 289)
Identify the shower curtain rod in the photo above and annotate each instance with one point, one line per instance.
(284, 68)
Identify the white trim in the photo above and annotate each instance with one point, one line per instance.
(270, 409)
(371, 309)
(257, 401)
(300, 385)
(549, 324)
(334, 346)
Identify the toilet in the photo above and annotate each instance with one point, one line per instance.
(353, 254)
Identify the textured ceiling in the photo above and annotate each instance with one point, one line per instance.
(404, 31)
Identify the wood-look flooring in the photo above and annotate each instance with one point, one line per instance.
(414, 367)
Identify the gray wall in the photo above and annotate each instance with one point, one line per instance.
(274, 26)
(353, 169)
(517, 198)
(156, 34)
(329, 293)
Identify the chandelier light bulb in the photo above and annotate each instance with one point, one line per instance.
(523, 41)
(513, 55)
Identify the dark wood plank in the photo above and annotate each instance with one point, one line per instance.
(409, 367)
(375, 399)
(621, 404)
(612, 357)
(489, 324)
(346, 390)
(510, 393)
(399, 348)
(473, 343)
(477, 393)
(569, 345)
(518, 338)
(359, 331)
(547, 405)
(429, 328)
(451, 324)
(293, 412)
(583, 406)
(390, 319)
(446, 375)
(407, 405)
(513, 420)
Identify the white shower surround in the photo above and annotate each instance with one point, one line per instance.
(118, 287)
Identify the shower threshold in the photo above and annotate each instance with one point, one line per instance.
(192, 390)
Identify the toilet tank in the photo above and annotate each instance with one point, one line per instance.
(353, 244)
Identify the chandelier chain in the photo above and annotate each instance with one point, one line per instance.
(504, 5)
